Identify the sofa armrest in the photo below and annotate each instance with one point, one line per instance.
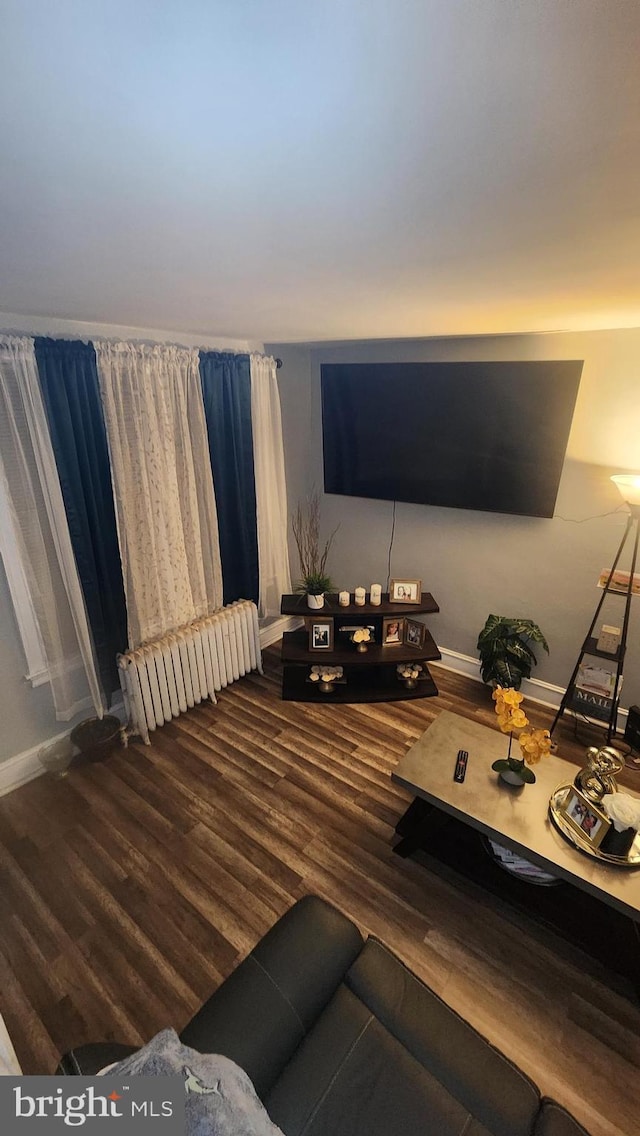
(554, 1120)
(260, 1014)
(87, 1060)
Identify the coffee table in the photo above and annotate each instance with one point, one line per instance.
(514, 817)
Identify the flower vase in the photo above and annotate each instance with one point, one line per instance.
(410, 683)
(511, 777)
(362, 647)
(513, 770)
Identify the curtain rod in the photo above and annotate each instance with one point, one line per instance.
(78, 337)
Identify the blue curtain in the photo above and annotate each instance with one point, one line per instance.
(226, 389)
(69, 382)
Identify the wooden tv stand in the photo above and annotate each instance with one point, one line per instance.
(371, 676)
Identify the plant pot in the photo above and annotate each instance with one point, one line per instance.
(96, 737)
(510, 777)
(315, 602)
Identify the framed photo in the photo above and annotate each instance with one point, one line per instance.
(392, 631)
(585, 818)
(415, 633)
(405, 591)
(320, 634)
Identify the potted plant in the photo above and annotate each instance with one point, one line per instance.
(505, 655)
(534, 743)
(314, 579)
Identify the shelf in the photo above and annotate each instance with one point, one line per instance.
(297, 605)
(379, 685)
(369, 676)
(295, 649)
(591, 648)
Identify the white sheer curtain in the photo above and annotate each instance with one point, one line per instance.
(34, 496)
(163, 486)
(271, 487)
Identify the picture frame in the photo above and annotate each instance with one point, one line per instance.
(405, 591)
(585, 819)
(415, 634)
(320, 634)
(392, 631)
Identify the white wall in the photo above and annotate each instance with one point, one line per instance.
(477, 563)
(27, 715)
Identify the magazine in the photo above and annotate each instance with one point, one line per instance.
(590, 704)
(619, 581)
(598, 680)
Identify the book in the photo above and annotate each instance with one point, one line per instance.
(596, 679)
(619, 581)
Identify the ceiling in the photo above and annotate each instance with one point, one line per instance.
(331, 170)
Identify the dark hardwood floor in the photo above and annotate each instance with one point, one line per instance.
(130, 888)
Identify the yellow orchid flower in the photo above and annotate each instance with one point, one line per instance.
(512, 697)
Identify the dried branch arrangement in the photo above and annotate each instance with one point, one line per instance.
(306, 530)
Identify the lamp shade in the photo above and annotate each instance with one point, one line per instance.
(629, 486)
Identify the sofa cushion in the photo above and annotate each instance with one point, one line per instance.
(554, 1120)
(486, 1083)
(351, 1077)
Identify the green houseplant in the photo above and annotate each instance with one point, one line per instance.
(505, 655)
(314, 579)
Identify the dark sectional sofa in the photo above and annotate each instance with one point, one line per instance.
(341, 1039)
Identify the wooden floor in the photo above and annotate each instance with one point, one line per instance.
(130, 888)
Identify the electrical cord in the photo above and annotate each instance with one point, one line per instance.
(593, 517)
(393, 529)
(634, 766)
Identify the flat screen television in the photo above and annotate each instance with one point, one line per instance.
(488, 436)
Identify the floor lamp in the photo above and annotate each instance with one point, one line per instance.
(629, 486)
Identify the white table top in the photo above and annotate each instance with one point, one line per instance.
(517, 818)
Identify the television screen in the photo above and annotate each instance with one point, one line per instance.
(488, 436)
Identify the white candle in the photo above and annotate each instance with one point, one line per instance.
(376, 594)
(344, 599)
(360, 595)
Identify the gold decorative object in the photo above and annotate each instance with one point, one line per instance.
(361, 637)
(326, 677)
(581, 841)
(410, 674)
(598, 776)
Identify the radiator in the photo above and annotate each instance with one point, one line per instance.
(163, 679)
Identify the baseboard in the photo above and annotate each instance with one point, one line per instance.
(26, 766)
(275, 628)
(23, 767)
(535, 689)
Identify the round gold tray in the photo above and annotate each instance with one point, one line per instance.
(631, 860)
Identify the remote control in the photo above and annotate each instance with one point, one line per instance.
(461, 766)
